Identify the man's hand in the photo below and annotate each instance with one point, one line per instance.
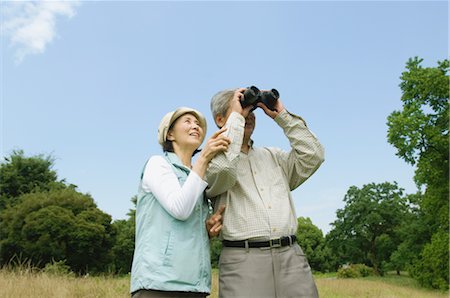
(236, 103)
(214, 223)
(272, 114)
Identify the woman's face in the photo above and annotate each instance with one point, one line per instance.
(186, 131)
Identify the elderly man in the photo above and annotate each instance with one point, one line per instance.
(260, 256)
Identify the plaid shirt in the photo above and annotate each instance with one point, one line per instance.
(256, 187)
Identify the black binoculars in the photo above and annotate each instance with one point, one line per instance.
(253, 95)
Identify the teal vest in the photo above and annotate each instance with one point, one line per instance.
(170, 254)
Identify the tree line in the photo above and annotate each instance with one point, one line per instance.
(44, 220)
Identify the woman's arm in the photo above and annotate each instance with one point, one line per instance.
(160, 179)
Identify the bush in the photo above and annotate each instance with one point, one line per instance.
(347, 271)
(354, 271)
(58, 268)
(364, 270)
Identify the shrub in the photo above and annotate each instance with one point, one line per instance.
(354, 271)
(347, 271)
(364, 270)
(58, 268)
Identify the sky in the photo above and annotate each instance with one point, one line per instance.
(88, 83)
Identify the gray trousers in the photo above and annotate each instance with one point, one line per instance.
(270, 273)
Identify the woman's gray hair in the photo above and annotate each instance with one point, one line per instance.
(220, 102)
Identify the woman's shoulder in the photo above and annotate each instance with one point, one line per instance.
(156, 165)
(157, 160)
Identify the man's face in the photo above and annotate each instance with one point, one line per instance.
(250, 123)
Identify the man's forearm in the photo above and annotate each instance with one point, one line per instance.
(221, 173)
(307, 153)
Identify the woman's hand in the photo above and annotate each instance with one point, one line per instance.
(215, 144)
(214, 223)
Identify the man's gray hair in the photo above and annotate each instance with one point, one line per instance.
(220, 102)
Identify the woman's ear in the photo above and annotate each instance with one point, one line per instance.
(170, 135)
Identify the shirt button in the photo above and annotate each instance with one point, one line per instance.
(274, 230)
(262, 189)
(270, 207)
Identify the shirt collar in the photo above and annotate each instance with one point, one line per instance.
(175, 160)
(250, 144)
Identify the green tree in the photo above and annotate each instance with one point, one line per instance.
(412, 234)
(59, 224)
(434, 271)
(419, 132)
(331, 254)
(20, 175)
(310, 238)
(364, 231)
(123, 248)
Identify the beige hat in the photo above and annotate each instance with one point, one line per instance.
(170, 118)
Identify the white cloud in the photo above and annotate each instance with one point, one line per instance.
(31, 25)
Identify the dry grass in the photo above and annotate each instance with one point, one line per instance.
(34, 284)
(26, 283)
(215, 284)
(345, 288)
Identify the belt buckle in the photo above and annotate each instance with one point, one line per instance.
(274, 243)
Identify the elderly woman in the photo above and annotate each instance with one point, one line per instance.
(171, 257)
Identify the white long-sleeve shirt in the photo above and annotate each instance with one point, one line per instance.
(160, 179)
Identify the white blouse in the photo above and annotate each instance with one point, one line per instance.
(160, 179)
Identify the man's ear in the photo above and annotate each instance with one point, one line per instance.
(220, 121)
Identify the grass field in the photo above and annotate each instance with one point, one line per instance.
(25, 283)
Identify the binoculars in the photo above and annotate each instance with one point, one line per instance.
(253, 95)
